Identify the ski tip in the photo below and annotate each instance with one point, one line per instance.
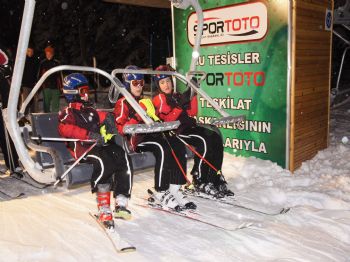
(127, 249)
(285, 210)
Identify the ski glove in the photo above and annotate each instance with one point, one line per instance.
(97, 137)
(185, 99)
(106, 135)
(171, 101)
(109, 123)
(150, 110)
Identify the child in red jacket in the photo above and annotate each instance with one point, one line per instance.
(208, 143)
(168, 175)
(111, 165)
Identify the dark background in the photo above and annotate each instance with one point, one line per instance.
(117, 35)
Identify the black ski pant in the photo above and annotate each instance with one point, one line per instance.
(11, 158)
(207, 141)
(111, 165)
(167, 170)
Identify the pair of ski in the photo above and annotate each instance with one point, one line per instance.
(196, 216)
(231, 201)
(193, 215)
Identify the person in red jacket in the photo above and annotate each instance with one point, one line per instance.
(168, 175)
(111, 165)
(208, 143)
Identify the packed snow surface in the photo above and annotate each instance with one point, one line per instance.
(54, 225)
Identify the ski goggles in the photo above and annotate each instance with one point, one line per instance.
(137, 82)
(83, 90)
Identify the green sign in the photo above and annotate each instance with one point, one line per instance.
(244, 51)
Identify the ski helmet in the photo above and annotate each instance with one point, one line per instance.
(75, 87)
(157, 78)
(129, 77)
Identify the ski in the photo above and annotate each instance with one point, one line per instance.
(192, 215)
(6, 196)
(120, 245)
(233, 202)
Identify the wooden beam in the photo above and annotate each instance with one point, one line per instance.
(149, 3)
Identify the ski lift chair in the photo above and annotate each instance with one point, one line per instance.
(46, 125)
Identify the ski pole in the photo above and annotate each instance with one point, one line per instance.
(73, 165)
(60, 139)
(218, 172)
(176, 159)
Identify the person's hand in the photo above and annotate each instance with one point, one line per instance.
(97, 137)
(171, 101)
(110, 125)
(185, 99)
(150, 110)
(106, 135)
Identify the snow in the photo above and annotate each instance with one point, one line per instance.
(54, 225)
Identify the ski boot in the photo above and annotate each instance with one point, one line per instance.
(104, 214)
(210, 189)
(222, 187)
(164, 199)
(120, 210)
(181, 198)
(207, 188)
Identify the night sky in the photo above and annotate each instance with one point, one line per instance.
(117, 35)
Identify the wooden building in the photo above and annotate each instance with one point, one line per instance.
(310, 84)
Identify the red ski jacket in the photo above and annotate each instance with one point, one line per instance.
(169, 109)
(77, 121)
(126, 115)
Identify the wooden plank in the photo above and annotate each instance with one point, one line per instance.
(320, 117)
(308, 110)
(312, 52)
(307, 34)
(304, 90)
(312, 123)
(313, 7)
(319, 103)
(311, 44)
(310, 84)
(299, 117)
(304, 156)
(299, 132)
(317, 71)
(309, 134)
(316, 79)
(311, 145)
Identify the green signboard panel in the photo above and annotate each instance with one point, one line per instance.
(244, 51)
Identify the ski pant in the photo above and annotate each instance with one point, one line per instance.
(111, 165)
(208, 143)
(7, 146)
(166, 170)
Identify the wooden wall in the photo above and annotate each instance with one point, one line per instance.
(310, 82)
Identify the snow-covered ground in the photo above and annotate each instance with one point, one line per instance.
(54, 225)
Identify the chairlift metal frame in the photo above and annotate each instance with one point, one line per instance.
(11, 116)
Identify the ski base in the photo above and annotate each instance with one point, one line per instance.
(120, 245)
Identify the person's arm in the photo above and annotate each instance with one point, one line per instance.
(166, 112)
(193, 108)
(68, 128)
(122, 118)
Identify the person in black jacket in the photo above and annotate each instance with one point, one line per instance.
(29, 79)
(6, 144)
(53, 84)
